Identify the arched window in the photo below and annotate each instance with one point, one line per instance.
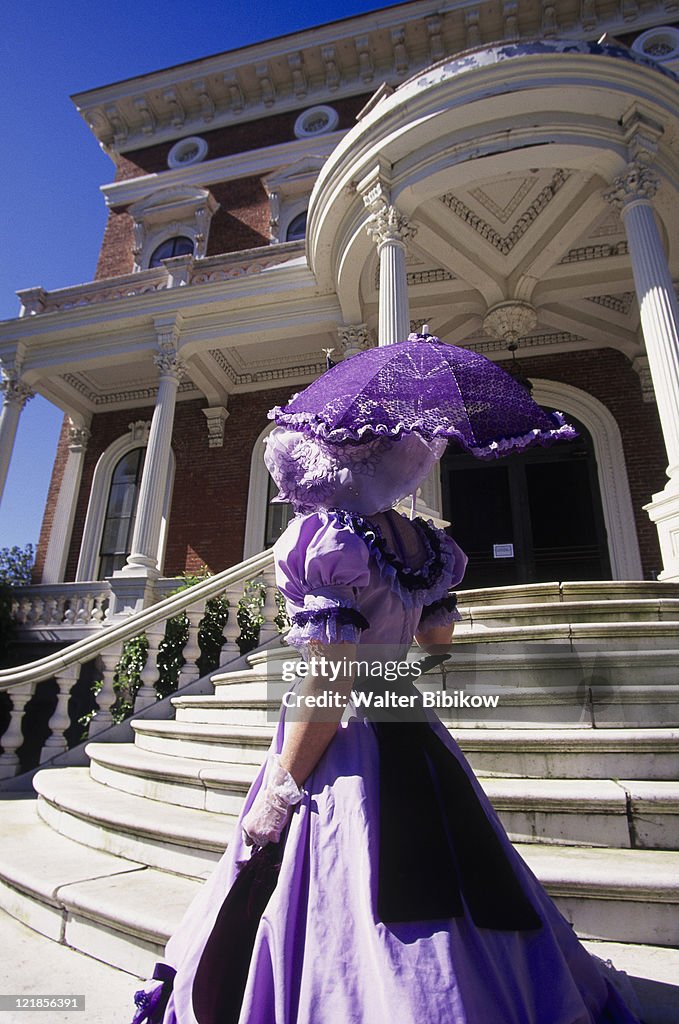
(296, 228)
(278, 515)
(180, 245)
(116, 538)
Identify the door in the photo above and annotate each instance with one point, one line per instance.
(534, 517)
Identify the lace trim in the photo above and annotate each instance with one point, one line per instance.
(429, 582)
(441, 612)
(312, 424)
(342, 616)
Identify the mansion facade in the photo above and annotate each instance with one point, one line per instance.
(507, 174)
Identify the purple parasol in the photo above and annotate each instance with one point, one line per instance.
(427, 387)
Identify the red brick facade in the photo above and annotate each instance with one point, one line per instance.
(242, 221)
(207, 516)
(209, 504)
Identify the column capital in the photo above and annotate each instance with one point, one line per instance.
(387, 224)
(15, 391)
(167, 358)
(353, 338)
(78, 436)
(638, 183)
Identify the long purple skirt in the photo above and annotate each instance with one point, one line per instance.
(321, 956)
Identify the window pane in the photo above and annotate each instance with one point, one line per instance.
(180, 245)
(120, 512)
(296, 228)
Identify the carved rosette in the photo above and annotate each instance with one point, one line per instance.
(639, 183)
(353, 338)
(510, 320)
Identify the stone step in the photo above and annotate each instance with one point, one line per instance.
(123, 913)
(231, 744)
(114, 909)
(205, 785)
(181, 840)
(623, 895)
(576, 753)
(588, 590)
(657, 609)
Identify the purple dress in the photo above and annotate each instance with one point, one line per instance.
(321, 955)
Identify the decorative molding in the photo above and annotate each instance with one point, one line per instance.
(584, 253)
(509, 321)
(531, 341)
(167, 358)
(505, 243)
(503, 213)
(144, 396)
(78, 436)
(310, 370)
(216, 417)
(621, 303)
(168, 212)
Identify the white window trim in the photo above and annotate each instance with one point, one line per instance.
(258, 490)
(137, 437)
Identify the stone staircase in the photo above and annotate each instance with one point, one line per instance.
(580, 758)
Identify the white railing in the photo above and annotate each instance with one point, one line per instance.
(106, 646)
(175, 272)
(49, 607)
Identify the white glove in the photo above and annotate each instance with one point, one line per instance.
(272, 808)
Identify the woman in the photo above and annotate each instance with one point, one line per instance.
(397, 895)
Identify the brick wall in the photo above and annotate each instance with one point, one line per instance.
(242, 222)
(207, 517)
(207, 522)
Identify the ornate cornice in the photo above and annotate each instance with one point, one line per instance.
(621, 303)
(505, 243)
(262, 376)
(142, 396)
(533, 341)
(584, 253)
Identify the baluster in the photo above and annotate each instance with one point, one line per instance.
(106, 697)
(269, 629)
(60, 610)
(97, 613)
(191, 652)
(50, 614)
(231, 630)
(82, 615)
(69, 611)
(60, 721)
(13, 737)
(146, 694)
(39, 616)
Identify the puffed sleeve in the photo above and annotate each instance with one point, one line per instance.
(442, 609)
(321, 568)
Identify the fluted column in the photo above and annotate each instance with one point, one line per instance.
(632, 193)
(390, 229)
(143, 559)
(64, 513)
(15, 395)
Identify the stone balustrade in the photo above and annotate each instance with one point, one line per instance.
(99, 651)
(176, 272)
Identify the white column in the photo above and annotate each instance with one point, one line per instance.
(632, 193)
(390, 230)
(143, 559)
(15, 396)
(64, 513)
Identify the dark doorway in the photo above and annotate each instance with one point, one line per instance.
(529, 518)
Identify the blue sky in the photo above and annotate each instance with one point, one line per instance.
(51, 212)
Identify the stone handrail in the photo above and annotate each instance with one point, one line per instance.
(106, 645)
(174, 273)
